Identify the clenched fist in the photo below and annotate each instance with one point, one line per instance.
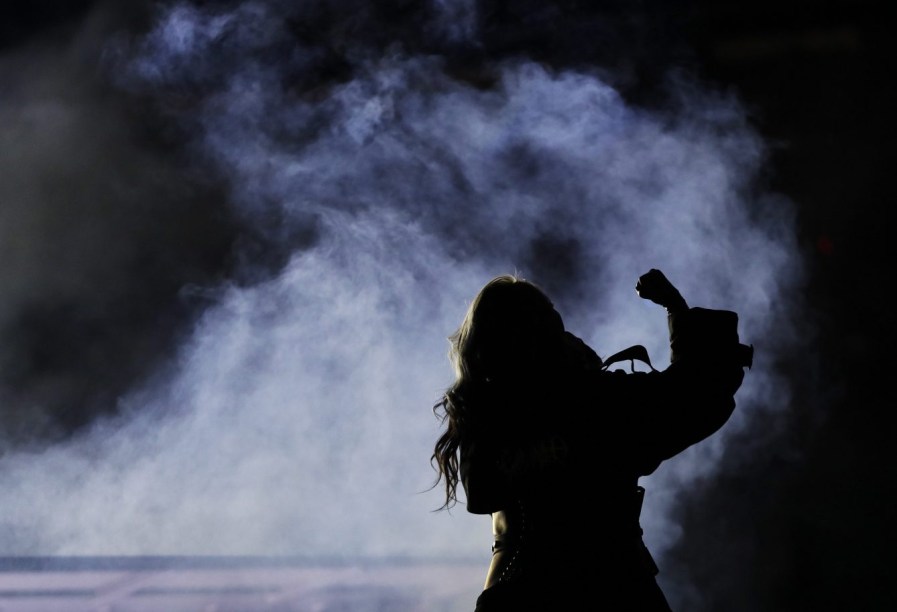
(654, 286)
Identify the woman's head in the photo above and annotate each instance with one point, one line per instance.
(506, 354)
(511, 331)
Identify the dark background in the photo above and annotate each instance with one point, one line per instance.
(817, 78)
(814, 531)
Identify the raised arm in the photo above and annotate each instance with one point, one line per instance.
(662, 413)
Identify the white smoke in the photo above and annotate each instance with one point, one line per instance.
(297, 418)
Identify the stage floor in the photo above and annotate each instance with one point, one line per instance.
(165, 584)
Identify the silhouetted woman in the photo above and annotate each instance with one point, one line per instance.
(550, 442)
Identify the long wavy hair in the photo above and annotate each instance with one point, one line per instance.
(506, 348)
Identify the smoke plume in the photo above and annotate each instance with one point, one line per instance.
(323, 188)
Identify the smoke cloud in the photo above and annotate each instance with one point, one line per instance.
(345, 180)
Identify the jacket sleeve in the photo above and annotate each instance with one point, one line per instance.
(661, 413)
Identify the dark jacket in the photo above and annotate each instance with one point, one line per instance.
(557, 463)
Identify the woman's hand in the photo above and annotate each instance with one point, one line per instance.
(654, 286)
